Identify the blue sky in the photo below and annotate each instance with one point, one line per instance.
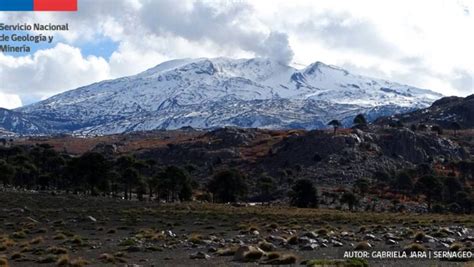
(103, 47)
(424, 43)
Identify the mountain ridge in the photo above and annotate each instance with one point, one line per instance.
(212, 93)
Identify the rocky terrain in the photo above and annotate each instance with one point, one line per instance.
(443, 112)
(67, 230)
(373, 149)
(330, 160)
(51, 226)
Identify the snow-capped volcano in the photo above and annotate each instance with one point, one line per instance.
(206, 93)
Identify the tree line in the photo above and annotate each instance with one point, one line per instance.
(40, 167)
(441, 193)
(450, 191)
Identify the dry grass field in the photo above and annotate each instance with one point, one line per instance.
(68, 230)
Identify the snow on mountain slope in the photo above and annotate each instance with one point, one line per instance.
(207, 93)
(15, 122)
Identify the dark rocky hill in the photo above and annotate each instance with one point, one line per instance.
(442, 112)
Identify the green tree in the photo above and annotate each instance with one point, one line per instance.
(266, 185)
(228, 186)
(44, 181)
(464, 200)
(455, 126)
(381, 176)
(94, 168)
(466, 168)
(141, 188)
(403, 182)
(452, 186)
(437, 129)
(174, 184)
(423, 169)
(431, 187)
(303, 194)
(360, 120)
(130, 178)
(350, 199)
(26, 172)
(25, 175)
(362, 186)
(422, 127)
(395, 124)
(128, 174)
(335, 124)
(7, 172)
(114, 180)
(89, 170)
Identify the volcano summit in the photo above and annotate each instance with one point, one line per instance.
(210, 93)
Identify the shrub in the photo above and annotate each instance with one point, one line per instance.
(266, 246)
(322, 231)
(16, 256)
(419, 236)
(253, 255)
(456, 246)
(50, 258)
(37, 240)
(19, 235)
(77, 240)
(63, 260)
(79, 262)
(226, 251)
(107, 258)
(195, 238)
(59, 237)
(364, 245)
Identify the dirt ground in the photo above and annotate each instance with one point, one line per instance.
(68, 230)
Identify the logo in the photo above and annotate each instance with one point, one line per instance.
(38, 5)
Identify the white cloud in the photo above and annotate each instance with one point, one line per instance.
(9, 101)
(50, 71)
(426, 43)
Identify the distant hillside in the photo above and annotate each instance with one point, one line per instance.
(321, 155)
(442, 112)
(14, 122)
